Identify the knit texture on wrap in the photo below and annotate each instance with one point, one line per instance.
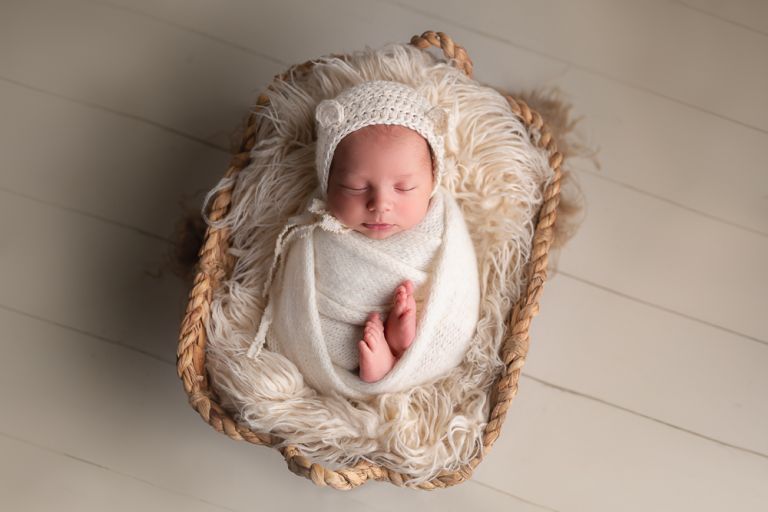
(356, 275)
(316, 321)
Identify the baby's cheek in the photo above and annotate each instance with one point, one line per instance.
(341, 208)
(416, 210)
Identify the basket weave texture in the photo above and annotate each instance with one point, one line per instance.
(215, 264)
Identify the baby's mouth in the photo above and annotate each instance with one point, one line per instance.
(377, 226)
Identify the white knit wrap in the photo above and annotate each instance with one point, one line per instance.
(377, 102)
(333, 277)
(356, 275)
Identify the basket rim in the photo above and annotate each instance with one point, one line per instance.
(215, 263)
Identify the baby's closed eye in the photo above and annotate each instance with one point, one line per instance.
(399, 188)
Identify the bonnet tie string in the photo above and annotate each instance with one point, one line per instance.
(296, 227)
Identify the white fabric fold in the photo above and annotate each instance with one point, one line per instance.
(331, 278)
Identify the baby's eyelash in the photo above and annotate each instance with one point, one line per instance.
(365, 188)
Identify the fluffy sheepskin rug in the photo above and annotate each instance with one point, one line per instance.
(497, 177)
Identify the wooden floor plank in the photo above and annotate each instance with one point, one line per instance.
(673, 258)
(89, 275)
(120, 170)
(574, 454)
(692, 59)
(686, 157)
(37, 479)
(749, 14)
(131, 65)
(659, 364)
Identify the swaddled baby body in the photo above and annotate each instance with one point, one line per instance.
(379, 237)
(379, 184)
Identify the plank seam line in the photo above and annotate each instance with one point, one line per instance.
(119, 113)
(111, 470)
(84, 213)
(645, 416)
(496, 489)
(682, 206)
(718, 17)
(662, 308)
(185, 28)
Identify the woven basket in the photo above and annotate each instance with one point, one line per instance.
(215, 264)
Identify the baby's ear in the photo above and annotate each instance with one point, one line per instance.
(329, 113)
(439, 118)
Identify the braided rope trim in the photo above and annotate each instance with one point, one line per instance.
(453, 52)
(215, 264)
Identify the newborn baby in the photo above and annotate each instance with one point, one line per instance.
(378, 237)
(379, 184)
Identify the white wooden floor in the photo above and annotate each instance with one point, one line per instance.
(645, 388)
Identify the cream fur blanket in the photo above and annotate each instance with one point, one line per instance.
(495, 175)
(334, 276)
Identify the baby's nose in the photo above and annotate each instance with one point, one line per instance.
(380, 202)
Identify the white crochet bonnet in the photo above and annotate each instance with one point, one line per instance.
(377, 102)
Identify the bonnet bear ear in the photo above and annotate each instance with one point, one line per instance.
(329, 113)
(439, 118)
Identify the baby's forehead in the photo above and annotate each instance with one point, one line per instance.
(373, 133)
(359, 146)
(394, 131)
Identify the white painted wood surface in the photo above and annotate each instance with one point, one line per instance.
(645, 385)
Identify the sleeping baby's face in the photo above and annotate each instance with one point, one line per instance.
(380, 180)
